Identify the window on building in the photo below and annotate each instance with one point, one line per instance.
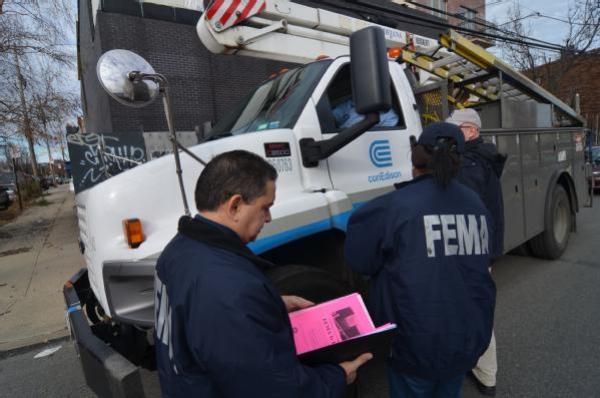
(441, 5)
(466, 17)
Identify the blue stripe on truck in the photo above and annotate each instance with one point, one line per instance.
(339, 221)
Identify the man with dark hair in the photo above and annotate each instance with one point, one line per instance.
(426, 246)
(222, 329)
(481, 171)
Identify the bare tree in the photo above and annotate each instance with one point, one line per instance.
(51, 106)
(32, 34)
(546, 66)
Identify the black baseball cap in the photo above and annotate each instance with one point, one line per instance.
(435, 133)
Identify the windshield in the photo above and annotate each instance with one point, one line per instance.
(596, 154)
(275, 104)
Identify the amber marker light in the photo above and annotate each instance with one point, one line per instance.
(394, 52)
(134, 234)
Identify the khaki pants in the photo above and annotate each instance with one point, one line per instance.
(487, 366)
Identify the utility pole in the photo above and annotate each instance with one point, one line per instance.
(15, 153)
(42, 115)
(62, 148)
(26, 122)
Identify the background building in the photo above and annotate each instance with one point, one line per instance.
(467, 14)
(572, 75)
(203, 85)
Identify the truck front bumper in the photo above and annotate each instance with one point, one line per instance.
(106, 372)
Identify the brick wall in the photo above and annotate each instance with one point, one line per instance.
(456, 7)
(453, 6)
(95, 102)
(203, 85)
(581, 75)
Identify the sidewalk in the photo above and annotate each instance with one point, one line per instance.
(38, 253)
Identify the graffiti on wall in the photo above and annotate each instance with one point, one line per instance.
(96, 157)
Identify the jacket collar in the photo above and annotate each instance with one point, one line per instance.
(422, 177)
(219, 236)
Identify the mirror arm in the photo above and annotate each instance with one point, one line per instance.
(191, 154)
(314, 151)
(166, 94)
(173, 137)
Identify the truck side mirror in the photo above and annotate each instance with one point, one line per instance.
(370, 71)
(114, 70)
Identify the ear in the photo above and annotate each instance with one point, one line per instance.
(232, 206)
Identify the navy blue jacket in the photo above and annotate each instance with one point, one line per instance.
(222, 329)
(481, 171)
(427, 250)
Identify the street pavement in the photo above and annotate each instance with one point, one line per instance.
(547, 323)
(38, 254)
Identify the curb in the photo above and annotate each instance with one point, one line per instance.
(32, 343)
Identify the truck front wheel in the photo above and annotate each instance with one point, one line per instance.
(551, 243)
(311, 283)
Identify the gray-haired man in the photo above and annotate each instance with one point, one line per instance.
(481, 170)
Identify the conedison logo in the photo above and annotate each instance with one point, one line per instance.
(380, 153)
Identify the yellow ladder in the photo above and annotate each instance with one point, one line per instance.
(472, 71)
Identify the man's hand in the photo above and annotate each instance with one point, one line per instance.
(293, 303)
(351, 367)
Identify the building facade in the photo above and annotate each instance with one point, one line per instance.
(572, 76)
(203, 85)
(467, 14)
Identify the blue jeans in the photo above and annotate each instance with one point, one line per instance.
(403, 386)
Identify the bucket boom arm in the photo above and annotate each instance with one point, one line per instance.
(286, 31)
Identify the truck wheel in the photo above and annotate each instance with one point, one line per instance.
(551, 243)
(311, 283)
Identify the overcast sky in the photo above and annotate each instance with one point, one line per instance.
(546, 29)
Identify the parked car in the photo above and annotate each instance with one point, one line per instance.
(10, 189)
(595, 160)
(4, 198)
(43, 181)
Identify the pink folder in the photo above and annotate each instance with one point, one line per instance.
(330, 323)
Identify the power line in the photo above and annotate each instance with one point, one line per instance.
(484, 24)
(380, 12)
(488, 5)
(544, 44)
(562, 20)
(533, 14)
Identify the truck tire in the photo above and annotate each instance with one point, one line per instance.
(311, 283)
(551, 243)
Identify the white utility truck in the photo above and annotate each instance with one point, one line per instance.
(325, 170)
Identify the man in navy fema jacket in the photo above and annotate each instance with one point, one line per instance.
(427, 248)
(222, 329)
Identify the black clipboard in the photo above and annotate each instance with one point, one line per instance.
(379, 344)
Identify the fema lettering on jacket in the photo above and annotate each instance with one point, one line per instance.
(163, 317)
(461, 235)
